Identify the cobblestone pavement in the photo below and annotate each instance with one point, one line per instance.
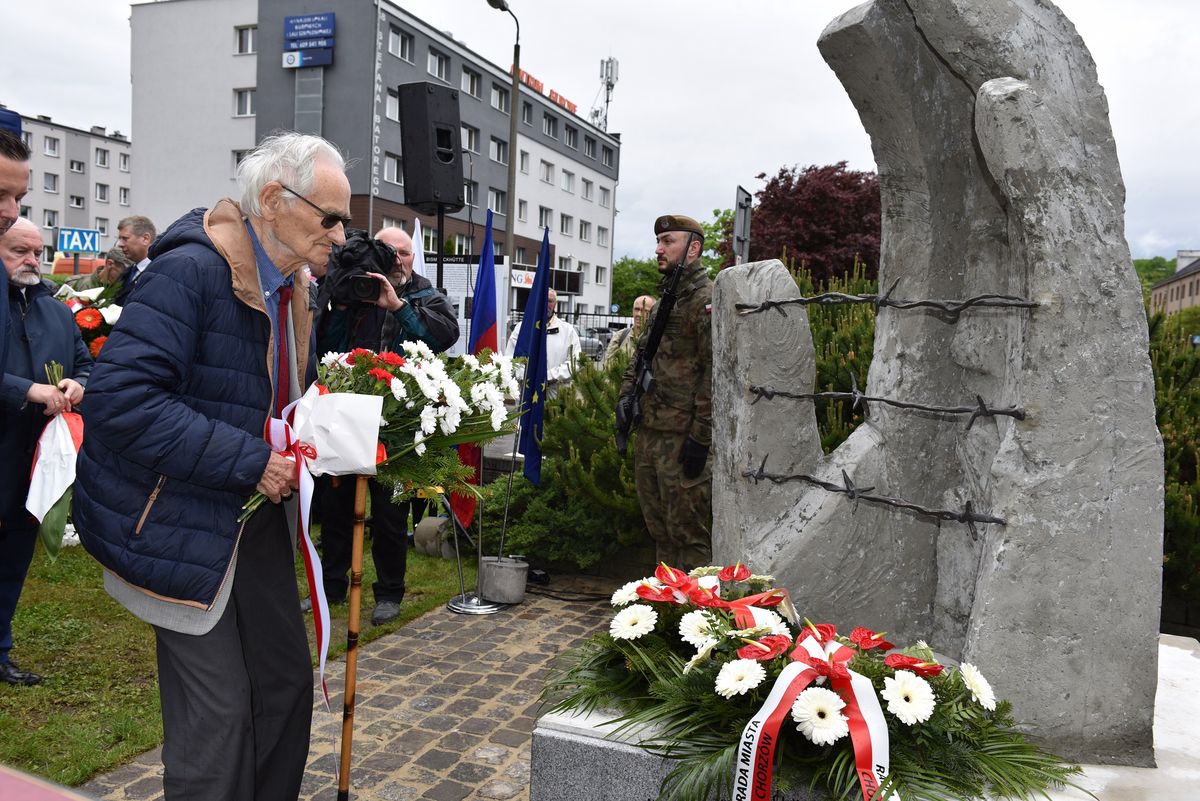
(445, 706)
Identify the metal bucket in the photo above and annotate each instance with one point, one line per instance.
(502, 579)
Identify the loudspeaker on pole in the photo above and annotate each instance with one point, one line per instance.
(431, 144)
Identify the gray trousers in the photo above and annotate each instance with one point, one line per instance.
(237, 701)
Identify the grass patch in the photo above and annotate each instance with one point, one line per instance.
(97, 706)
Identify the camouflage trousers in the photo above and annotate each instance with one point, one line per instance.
(677, 510)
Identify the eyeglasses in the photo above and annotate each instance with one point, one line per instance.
(328, 218)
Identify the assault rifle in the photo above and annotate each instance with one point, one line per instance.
(629, 406)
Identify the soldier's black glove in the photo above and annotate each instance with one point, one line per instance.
(692, 456)
(624, 412)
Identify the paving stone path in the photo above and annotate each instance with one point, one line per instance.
(445, 707)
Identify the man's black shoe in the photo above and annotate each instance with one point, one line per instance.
(385, 611)
(11, 674)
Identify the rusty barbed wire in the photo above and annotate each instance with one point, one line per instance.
(951, 308)
(968, 516)
(980, 409)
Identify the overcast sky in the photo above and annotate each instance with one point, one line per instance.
(710, 93)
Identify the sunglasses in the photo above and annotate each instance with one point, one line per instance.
(328, 218)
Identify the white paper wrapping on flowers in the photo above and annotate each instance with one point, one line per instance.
(343, 428)
(54, 471)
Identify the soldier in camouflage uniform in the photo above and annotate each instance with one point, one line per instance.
(671, 464)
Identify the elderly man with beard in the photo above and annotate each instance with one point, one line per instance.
(41, 330)
(407, 308)
(213, 343)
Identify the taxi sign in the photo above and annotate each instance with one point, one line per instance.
(78, 240)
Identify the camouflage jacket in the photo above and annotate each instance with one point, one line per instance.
(681, 400)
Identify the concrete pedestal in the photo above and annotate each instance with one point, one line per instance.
(578, 758)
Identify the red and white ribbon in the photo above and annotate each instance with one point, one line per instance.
(868, 729)
(282, 439)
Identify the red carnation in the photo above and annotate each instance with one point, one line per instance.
(394, 359)
(88, 319)
(918, 666)
(360, 353)
(867, 639)
(382, 375)
(738, 572)
(768, 647)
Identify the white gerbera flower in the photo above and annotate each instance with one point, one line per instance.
(739, 677)
(632, 622)
(626, 594)
(399, 392)
(696, 629)
(771, 619)
(428, 420)
(909, 697)
(818, 716)
(981, 691)
(330, 359)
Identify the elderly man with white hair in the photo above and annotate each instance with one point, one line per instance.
(215, 341)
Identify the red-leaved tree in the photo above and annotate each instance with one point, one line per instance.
(821, 216)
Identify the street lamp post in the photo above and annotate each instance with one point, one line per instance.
(510, 211)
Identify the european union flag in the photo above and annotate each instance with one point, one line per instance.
(531, 343)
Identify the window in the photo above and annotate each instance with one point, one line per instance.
(49, 218)
(470, 138)
(605, 197)
(429, 240)
(439, 65)
(585, 230)
(26, 211)
(547, 172)
(571, 136)
(522, 210)
(27, 139)
(245, 39)
(598, 309)
(602, 237)
(51, 146)
(236, 158)
(564, 262)
(498, 150)
(50, 182)
(400, 44)
(123, 195)
(545, 217)
(471, 192)
(519, 256)
(498, 200)
(566, 225)
(589, 147)
(76, 165)
(499, 98)
(601, 272)
(606, 156)
(392, 109)
(527, 112)
(568, 181)
(101, 157)
(392, 169)
(524, 162)
(102, 193)
(583, 272)
(471, 82)
(550, 125)
(587, 189)
(123, 162)
(462, 244)
(393, 222)
(76, 201)
(243, 102)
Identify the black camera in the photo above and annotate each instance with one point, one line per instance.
(363, 289)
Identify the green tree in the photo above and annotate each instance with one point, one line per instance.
(632, 277)
(718, 238)
(1151, 271)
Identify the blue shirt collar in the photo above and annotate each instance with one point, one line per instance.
(268, 274)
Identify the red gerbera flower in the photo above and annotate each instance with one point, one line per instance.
(918, 666)
(768, 647)
(88, 319)
(382, 375)
(867, 639)
(394, 359)
(738, 572)
(95, 345)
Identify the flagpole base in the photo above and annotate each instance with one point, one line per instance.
(471, 604)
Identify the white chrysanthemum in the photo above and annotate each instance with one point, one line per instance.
(448, 419)
(418, 349)
(471, 361)
(419, 441)
(330, 359)
(818, 715)
(632, 622)
(626, 594)
(488, 369)
(909, 697)
(739, 677)
(399, 392)
(499, 415)
(981, 691)
(504, 363)
(410, 405)
(428, 420)
(696, 629)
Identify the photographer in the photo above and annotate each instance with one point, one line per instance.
(371, 299)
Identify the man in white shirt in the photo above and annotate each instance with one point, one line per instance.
(562, 344)
(135, 235)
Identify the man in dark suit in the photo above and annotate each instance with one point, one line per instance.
(135, 235)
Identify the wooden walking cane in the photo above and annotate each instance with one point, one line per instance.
(356, 572)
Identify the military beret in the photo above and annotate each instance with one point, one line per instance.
(677, 222)
(118, 256)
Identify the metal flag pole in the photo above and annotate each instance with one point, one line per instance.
(469, 603)
(356, 572)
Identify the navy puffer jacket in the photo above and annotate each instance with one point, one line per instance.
(176, 409)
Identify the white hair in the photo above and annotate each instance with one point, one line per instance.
(289, 158)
